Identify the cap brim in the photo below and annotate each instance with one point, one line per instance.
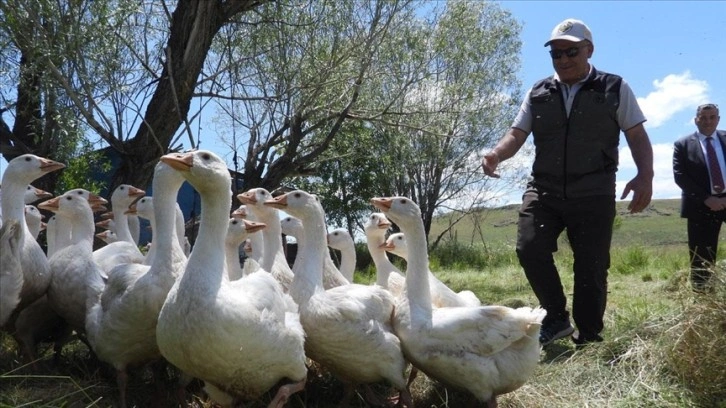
(564, 37)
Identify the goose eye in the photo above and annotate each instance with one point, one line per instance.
(234, 222)
(206, 156)
(69, 198)
(298, 195)
(79, 192)
(27, 159)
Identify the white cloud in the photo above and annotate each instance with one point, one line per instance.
(663, 184)
(672, 94)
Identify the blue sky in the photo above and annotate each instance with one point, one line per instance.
(672, 53)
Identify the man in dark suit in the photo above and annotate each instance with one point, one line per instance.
(703, 201)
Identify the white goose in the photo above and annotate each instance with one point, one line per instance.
(125, 250)
(34, 220)
(144, 208)
(387, 274)
(348, 328)
(341, 240)
(485, 350)
(331, 274)
(273, 255)
(238, 337)
(40, 321)
(441, 295)
(50, 234)
(256, 240)
(252, 245)
(76, 279)
(32, 270)
(237, 233)
(132, 220)
(32, 194)
(122, 326)
(11, 278)
(107, 236)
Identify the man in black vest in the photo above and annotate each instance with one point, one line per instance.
(576, 117)
(703, 197)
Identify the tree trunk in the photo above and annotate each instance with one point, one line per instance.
(193, 27)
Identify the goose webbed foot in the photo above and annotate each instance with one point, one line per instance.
(284, 393)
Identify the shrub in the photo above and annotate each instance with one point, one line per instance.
(630, 261)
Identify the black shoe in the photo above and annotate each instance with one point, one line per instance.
(582, 341)
(554, 331)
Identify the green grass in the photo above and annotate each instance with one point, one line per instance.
(663, 344)
(659, 225)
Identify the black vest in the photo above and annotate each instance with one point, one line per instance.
(576, 156)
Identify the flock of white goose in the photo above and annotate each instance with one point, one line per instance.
(243, 330)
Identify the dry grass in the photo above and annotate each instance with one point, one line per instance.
(697, 351)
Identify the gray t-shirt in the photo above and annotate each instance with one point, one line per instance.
(628, 112)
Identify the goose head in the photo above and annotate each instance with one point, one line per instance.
(377, 221)
(73, 204)
(376, 226)
(339, 239)
(29, 167)
(33, 194)
(401, 210)
(239, 228)
(297, 203)
(69, 196)
(143, 207)
(32, 214)
(107, 236)
(202, 169)
(396, 244)
(124, 195)
(240, 212)
(254, 200)
(291, 226)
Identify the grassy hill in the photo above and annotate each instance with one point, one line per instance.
(659, 225)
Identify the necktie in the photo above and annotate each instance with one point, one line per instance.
(713, 167)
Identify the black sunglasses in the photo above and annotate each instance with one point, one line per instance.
(570, 52)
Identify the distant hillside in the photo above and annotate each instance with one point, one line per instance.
(660, 224)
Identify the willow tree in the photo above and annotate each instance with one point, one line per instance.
(466, 103)
(297, 80)
(446, 89)
(124, 71)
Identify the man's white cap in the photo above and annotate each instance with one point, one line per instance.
(570, 30)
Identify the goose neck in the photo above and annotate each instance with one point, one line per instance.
(417, 269)
(207, 260)
(165, 242)
(308, 268)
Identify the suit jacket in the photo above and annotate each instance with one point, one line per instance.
(690, 172)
